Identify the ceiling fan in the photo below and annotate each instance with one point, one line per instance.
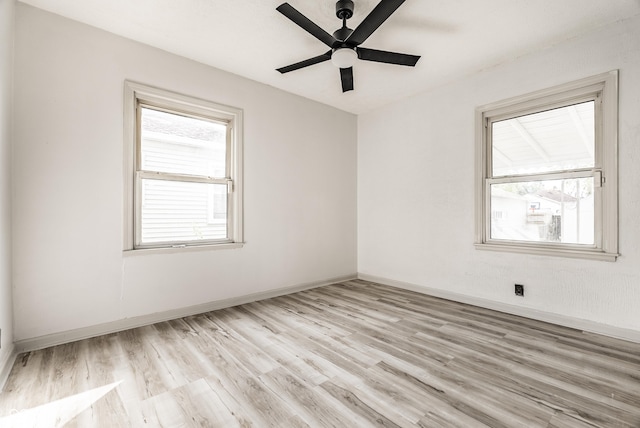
(345, 42)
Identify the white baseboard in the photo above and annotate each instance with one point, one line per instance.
(563, 320)
(45, 341)
(54, 339)
(6, 364)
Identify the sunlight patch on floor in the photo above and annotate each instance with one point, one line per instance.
(57, 413)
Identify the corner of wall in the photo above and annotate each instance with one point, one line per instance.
(6, 364)
(7, 31)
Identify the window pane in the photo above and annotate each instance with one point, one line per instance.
(182, 211)
(182, 145)
(554, 140)
(544, 211)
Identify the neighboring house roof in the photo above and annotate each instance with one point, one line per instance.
(500, 193)
(555, 195)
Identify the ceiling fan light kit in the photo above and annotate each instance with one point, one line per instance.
(345, 42)
(344, 57)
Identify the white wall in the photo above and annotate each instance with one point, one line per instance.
(69, 269)
(414, 193)
(416, 190)
(6, 61)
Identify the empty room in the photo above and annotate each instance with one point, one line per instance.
(353, 213)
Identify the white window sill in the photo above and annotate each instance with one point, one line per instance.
(546, 251)
(181, 249)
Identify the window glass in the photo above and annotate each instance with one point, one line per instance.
(178, 144)
(560, 211)
(182, 211)
(553, 140)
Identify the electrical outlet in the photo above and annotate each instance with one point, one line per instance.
(519, 289)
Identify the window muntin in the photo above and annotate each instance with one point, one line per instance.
(548, 171)
(184, 157)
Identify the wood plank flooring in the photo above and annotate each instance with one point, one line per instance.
(354, 354)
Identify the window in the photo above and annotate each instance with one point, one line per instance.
(182, 171)
(546, 167)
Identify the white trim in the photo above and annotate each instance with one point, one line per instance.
(182, 248)
(7, 364)
(535, 314)
(548, 250)
(128, 167)
(532, 101)
(54, 339)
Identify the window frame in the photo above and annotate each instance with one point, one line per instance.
(138, 96)
(602, 88)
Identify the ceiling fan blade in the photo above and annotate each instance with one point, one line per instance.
(346, 75)
(306, 24)
(387, 57)
(378, 15)
(306, 63)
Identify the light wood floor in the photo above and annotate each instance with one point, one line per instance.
(354, 354)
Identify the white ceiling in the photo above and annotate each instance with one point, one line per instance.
(251, 39)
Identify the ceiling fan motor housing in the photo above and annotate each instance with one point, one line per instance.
(344, 9)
